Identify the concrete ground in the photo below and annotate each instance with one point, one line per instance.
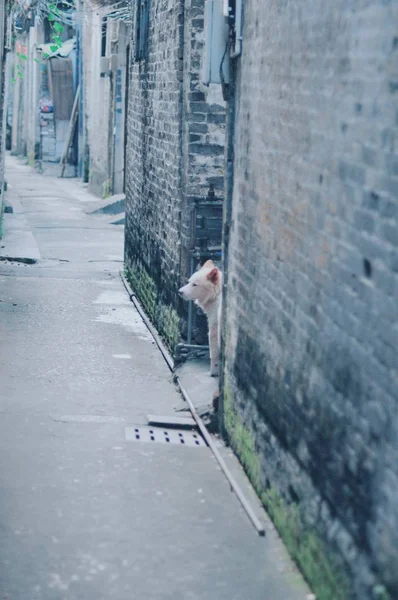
(85, 513)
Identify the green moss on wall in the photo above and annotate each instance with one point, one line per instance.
(145, 288)
(167, 321)
(164, 317)
(106, 188)
(304, 545)
(380, 593)
(306, 548)
(31, 159)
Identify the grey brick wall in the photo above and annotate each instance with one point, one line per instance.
(175, 143)
(311, 383)
(203, 116)
(153, 194)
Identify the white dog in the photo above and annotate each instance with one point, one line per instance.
(204, 287)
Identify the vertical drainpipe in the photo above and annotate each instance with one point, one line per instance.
(182, 223)
(227, 219)
(236, 33)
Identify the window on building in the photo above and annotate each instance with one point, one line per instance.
(141, 29)
(103, 36)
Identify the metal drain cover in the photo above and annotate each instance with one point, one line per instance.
(164, 436)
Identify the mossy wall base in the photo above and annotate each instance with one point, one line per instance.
(163, 316)
(303, 533)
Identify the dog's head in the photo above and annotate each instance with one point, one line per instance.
(204, 285)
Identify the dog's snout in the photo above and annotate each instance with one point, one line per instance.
(181, 292)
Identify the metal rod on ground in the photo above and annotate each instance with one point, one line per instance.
(195, 346)
(234, 485)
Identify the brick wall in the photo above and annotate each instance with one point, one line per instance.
(175, 151)
(204, 114)
(310, 374)
(153, 194)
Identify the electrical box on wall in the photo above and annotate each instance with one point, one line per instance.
(216, 54)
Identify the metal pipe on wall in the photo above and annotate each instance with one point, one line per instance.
(227, 219)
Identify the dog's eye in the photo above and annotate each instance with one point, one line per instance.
(194, 284)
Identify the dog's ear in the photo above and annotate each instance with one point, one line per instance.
(213, 276)
(209, 264)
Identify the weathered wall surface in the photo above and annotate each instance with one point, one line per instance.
(311, 381)
(4, 94)
(120, 116)
(97, 102)
(203, 130)
(153, 194)
(19, 90)
(35, 37)
(23, 80)
(89, 64)
(203, 116)
(173, 155)
(2, 105)
(104, 81)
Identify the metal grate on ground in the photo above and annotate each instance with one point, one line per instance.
(164, 436)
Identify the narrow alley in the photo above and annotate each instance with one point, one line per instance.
(198, 300)
(84, 511)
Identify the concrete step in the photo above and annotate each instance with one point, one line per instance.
(113, 205)
(18, 243)
(117, 219)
